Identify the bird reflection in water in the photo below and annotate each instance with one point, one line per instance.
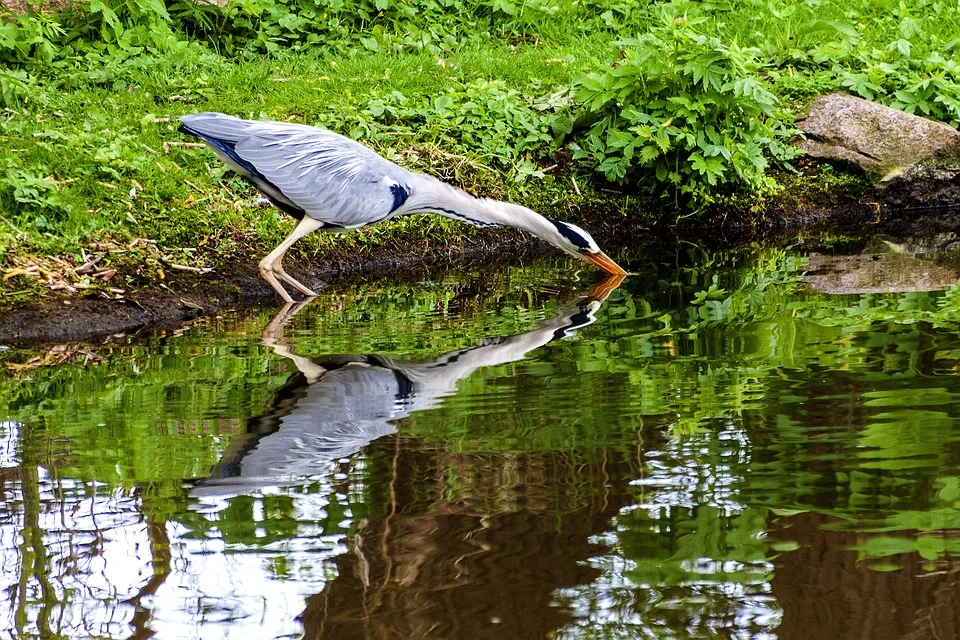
(333, 406)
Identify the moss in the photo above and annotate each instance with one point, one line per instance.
(821, 185)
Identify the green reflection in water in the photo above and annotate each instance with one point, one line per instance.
(717, 450)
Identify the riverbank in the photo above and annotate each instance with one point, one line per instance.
(840, 217)
(82, 315)
(559, 105)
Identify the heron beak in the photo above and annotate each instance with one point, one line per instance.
(603, 261)
(601, 290)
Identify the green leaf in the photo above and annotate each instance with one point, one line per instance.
(648, 153)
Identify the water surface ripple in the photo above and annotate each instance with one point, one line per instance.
(750, 443)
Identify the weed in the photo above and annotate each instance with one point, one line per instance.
(683, 109)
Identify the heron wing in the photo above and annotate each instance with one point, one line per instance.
(331, 177)
(222, 133)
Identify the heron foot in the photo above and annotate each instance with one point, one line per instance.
(274, 274)
(293, 282)
(266, 271)
(271, 267)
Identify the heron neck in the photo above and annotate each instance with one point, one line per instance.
(451, 202)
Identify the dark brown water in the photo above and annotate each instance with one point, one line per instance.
(741, 444)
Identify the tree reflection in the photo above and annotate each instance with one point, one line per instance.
(68, 575)
(481, 560)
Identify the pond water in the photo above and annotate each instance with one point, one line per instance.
(736, 443)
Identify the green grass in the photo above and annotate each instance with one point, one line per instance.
(95, 135)
(479, 92)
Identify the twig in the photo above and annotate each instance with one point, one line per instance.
(576, 189)
(88, 264)
(183, 267)
(189, 145)
(199, 190)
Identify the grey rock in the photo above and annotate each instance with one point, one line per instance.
(935, 181)
(916, 160)
(876, 138)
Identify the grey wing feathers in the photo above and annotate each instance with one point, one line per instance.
(330, 177)
(217, 126)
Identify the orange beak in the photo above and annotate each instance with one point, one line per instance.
(601, 290)
(604, 262)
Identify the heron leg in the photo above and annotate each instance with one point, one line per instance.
(270, 267)
(272, 336)
(286, 277)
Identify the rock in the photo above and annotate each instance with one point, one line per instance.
(916, 160)
(929, 182)
(891, 271)
(878, 139)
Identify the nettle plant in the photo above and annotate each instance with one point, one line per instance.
(683, 109)
(483, 119)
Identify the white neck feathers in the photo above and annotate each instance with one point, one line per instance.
(436, 197)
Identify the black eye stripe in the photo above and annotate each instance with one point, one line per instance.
(574, 237)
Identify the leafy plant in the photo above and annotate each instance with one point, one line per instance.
(683, 109)
(32, 35)
(33, 194)
(486, 119)
(14, 87)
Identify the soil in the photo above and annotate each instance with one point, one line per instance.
(65, 319)
(20, 6)
(71, 318)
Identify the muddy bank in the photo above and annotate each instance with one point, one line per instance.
(233, 286)
(236, 286)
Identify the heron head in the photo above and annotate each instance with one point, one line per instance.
(577, 242)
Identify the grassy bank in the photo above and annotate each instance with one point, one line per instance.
(658, 110)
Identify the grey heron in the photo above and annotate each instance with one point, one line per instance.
(335, 405)
(330, 182)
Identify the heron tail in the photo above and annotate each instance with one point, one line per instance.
(215, 126)
(222, 132)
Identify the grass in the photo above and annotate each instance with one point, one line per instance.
(100, 149)
(98, 143)
(475, 94)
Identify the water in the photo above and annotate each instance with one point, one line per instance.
(750, 443)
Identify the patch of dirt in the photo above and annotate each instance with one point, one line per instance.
(20, 6)
(66, 318)
(71, 317)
